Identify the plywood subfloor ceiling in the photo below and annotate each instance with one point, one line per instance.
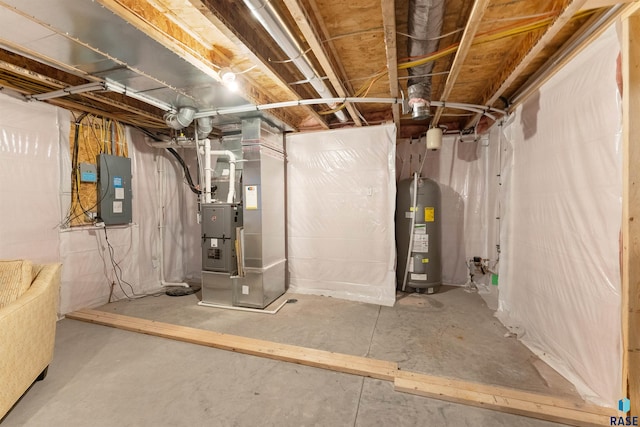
(492, 52)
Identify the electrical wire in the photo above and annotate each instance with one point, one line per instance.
(85, 102)
(246, 71)
(187, 173)
(117, 272)
(103, 124)
(459, 30)
(354, 33)
(185, 168)
(340, 36)
(75, 179)
(286, 61)
(440, 73)
(509, 31)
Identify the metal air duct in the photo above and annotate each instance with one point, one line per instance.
(205, 126)
(425, 25)
(273, 23)
(181, 119)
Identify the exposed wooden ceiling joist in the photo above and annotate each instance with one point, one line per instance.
(27, 76)
(355, 44)
(527, 52)
(596, 4)
(389, 24)
(242, 29)
(299, 15)
(324, 35)
(148, 19)
(593, 28)
(153, 23)
(477, 12)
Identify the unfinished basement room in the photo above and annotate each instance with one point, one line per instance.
(319, 213)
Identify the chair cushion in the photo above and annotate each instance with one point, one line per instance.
(15, 279)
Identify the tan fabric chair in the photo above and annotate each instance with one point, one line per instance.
(27, 326)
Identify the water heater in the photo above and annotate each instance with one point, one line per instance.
(418, 235)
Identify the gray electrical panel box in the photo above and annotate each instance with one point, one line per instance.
(114, 189)
(88, 172)
(219, 222)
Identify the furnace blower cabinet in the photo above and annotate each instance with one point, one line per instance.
(243, 241)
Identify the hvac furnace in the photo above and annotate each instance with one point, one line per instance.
(243, 236)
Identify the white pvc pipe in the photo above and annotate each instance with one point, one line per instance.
(207, 170)
(161, 226)
(251, 310)
(232, 177)
(208, 152)
(414, 202)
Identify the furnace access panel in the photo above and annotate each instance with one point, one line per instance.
(114, 189)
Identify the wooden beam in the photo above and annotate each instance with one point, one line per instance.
(631, 211)
(300, 16)
(379, 369)
(325, 35)
(597, 4)
(527, 53)
(49, 78)
(390, 44)
(558, 409)
(561, 57)
(150, 21)
(504, 399)
(209, 60)
(233, 25)
(470, 30)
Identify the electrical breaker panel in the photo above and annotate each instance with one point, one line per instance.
(114, 189)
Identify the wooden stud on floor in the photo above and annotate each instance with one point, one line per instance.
(345, 363)
(502, 399)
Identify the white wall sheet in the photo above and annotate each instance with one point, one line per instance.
(159, 199)
(467, 173)
(341, 197)
(29, 179)
(35, 183)
(560, 279)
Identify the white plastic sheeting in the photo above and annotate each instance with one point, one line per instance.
(88, 271)
(560, 275)
(30, 179)
(35, 172)
(467, 174)
(341, 198)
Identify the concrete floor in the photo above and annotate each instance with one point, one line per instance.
(107, 377)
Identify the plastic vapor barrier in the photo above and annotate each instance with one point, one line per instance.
(560, 275)
(35, 171)
(161, 204)
(30, 145)
(341, 203)
(467, 173)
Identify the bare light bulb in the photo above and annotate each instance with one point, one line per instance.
(228, 78)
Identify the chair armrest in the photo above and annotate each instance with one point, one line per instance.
(27, 335)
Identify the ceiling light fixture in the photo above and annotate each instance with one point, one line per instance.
(228, 79)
